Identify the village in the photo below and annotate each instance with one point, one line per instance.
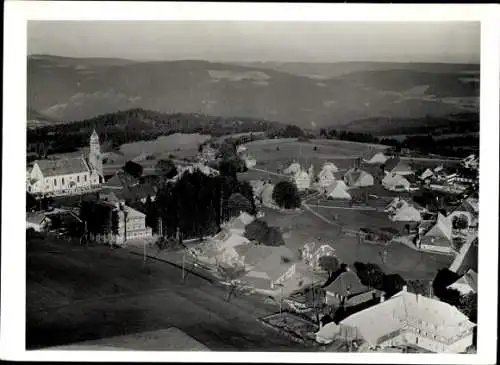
(356, 248)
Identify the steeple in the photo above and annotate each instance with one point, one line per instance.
(95, 158)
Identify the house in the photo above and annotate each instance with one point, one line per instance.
(302, 180)
(358, 178)
(395, 182)
(468, 209)
(427, 174)
(345, 286)
(329, 166)
(208, 153)
(276, 268)
(467, 258)
(237, 224)
(408, 319)
(241, 149)
(439, 237)
(337, 190)
(266, 195)
(131, 222)
(257, 186)
(407, 213)
(397, 166)
(394, 205)
(120, 180)
(293, 169)
(471, 162)
(312, 253)
(326, 178)
(466, 284)
(373, 157)
(37, 221)
(249, 161)
(67, 176)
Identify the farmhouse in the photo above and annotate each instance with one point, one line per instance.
(67, 176)
(311, 253)
(37, 221)
(395, 182)
(249, 161)
(275, 268)
(427, 174)
(326, 178)
(373, 157)
(412, 319)
(257, 186)
(267, 195)
(302, 180)
(397, 166)
(337, 190)
(466, 284)
(237, 224)
(406, 213)
(439, 237)
(131, 222)
(293, 169)
(358, 178)
(329, 166)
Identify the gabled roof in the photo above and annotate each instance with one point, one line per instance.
(35, 218)
(442, 228)
(427, 174)
(329, 166)
(121, 179)
(240, 222)
(355, 175)
(393, 179)
(407, 213)
(468, 279)
(346, 284)
(397, 165)
(272, 265)
(63, 166)
(338, 190)
(403, 309)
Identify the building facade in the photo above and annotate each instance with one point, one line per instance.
(67, 176)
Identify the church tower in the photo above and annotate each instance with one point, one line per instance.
(95, 158)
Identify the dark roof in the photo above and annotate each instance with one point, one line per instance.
(63, 166)
(396, 164)
(121, 179)
(346, 284)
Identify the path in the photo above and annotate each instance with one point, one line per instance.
(269, 172)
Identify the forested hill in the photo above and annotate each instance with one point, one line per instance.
(139, 124)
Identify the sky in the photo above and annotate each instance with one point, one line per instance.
(246, 41)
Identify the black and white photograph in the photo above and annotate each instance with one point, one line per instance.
(215, 185)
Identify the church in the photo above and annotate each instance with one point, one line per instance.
(67, 176)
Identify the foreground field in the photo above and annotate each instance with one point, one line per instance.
(76, 294)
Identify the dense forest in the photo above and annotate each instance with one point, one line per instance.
(139, 125)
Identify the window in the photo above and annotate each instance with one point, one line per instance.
(78, 178)
(55, 182)
(62, 180)
(85, 177)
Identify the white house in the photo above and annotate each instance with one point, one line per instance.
(466, 284)
(406, 213)
(241, 149)
(37, 221)
(439, 237)
(412, 319)
(337, 190)
(302, 180)
(358, 178)
(326, 178)
(237, 224)
(329, 166)
(266, 195)
(67, 176)
(427, 174)
(312, 253)
(376, 158)
(395, 182)
(249, 161)
(293, 169)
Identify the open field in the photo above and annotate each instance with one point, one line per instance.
(166, 144)
(79, 293)
(306, 227)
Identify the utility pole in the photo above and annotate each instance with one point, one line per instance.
(183, 264)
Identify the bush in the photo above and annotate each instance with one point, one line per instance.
(286, 195)
(256, 230)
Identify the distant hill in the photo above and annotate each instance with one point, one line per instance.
(70, 89)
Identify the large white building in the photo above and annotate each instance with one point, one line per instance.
(67, 176)
(408, 319)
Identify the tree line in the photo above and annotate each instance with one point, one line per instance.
(138, 125)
